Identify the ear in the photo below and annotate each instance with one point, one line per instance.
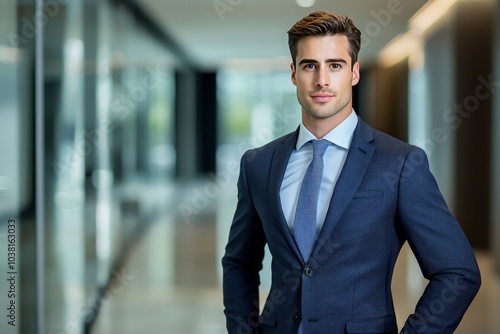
(355, 74)
(294, 72)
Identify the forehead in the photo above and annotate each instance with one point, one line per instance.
(322, 47)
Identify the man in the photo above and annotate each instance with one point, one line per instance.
(334, 248)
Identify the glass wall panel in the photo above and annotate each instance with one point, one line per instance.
(17, 251)
(108, 105)
(108, 93)
(160, 124)
(66, 149)
(128, 83)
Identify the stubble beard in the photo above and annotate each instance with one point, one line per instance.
(322, 111)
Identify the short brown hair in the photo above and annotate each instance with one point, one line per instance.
(322, 23)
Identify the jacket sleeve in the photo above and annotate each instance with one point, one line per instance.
(242, 262)
(441, 248)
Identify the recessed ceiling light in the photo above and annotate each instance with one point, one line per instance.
(305, 3)
(429, 14)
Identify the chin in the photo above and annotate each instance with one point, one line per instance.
(324, 113)
(321, 115)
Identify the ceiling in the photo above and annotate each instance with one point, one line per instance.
(218, 32)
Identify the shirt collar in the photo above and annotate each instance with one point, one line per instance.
(340, 135)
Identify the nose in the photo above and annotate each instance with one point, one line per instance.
(323, 78)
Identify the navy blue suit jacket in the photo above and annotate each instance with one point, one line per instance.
(385, 195)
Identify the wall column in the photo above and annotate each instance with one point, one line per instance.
(495, 149)
(473, 118)
(185, 124)
(207, 121)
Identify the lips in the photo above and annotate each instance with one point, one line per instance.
(321, 97)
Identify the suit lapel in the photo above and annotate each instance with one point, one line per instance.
(279, 163)
(356, 163)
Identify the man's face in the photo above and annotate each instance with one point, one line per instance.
(324, 77)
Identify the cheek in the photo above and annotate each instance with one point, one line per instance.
(301, 85)
(345, 82)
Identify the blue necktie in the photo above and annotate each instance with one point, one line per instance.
(304, 228)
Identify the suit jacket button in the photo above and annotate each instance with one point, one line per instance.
(297, 317)
(309, 272)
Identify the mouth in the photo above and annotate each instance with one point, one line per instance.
(321, 97)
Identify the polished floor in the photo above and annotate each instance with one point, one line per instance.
(171, 281)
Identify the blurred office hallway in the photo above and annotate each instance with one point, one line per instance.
(176, 278)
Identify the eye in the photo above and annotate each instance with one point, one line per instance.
(336, 66)
(309, 66)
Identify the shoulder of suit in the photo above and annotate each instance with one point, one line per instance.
(276, 142)
(390, 144)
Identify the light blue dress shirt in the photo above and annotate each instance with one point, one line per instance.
(301, 157)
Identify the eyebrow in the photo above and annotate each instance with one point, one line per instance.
(314, 61)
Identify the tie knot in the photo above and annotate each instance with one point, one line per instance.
(320, 146)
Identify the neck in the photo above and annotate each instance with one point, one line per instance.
(319, 127)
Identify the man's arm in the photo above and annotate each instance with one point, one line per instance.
(242, 263)
(441, 248)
